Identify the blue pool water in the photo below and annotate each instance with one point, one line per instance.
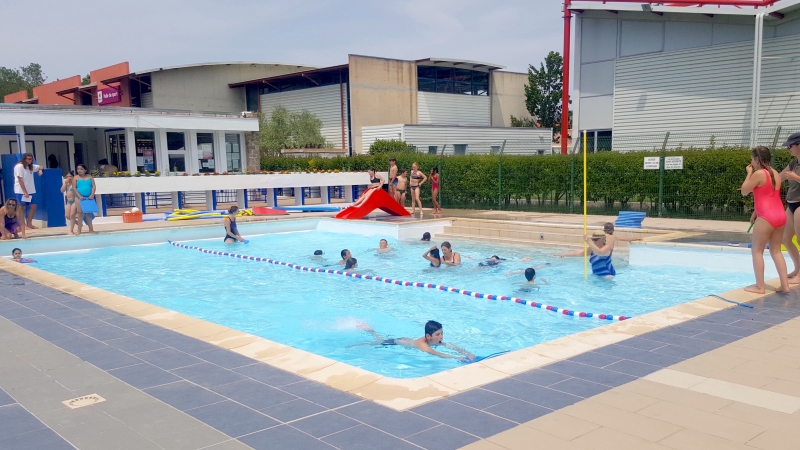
(319, 312)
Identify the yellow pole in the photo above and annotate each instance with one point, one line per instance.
(585, 247)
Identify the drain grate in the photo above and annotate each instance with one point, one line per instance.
(86, 400)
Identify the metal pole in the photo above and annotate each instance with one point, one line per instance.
(661, 174)
(500, 177)
(565, 79)
(572, 183)
(756, 94)
(775, 139)
(585, 248)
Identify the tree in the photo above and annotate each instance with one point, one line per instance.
(86, 80)
(290, 129)
(25, 78)
(544, 90)
(381, 147)
(524, 122)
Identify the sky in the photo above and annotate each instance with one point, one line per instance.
(70, 37)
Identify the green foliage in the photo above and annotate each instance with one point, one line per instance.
(86, 80)
(523, 122)
(290, 129)
(381, 147)
(706, 187)
(544, 89)
(24, 78)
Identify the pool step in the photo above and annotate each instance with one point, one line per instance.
(538, 236)
(504, 240)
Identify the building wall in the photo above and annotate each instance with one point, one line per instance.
(453, 109)
(382, 91)
(16, 97)
(624, 44)
(205, 88)
(46, 93)
(383, 132)
(325, 102)
(507, 97)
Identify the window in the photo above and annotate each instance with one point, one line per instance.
(432, 149)
(251, 93)
(460, 149)
(176, 151)
(448, 80)
(145, 151)
(495, 149)
(233, 153)
(205, 152)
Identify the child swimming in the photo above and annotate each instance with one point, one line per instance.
(16, 256)
(434, 336)
(383, 246)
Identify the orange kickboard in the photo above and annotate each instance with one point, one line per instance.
(375, 199)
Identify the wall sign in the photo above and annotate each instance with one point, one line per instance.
(673, 162)
(651, 162)
(108, 95)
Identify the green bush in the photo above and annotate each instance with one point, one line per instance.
(381, 147)
(706, 187)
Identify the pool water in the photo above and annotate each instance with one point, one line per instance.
(319, 312)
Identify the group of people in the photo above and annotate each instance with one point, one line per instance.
(401, 180)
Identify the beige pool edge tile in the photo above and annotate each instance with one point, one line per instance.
(230, 339)
(403, 393)
(343, 376)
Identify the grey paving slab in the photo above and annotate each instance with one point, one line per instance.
(110, 358)
(293, 410)
(464, 418)
(42, 397)
(321, 394)
(680, 351)
(442, 437)
(135, 344)
(7, 304)
(176, 341)
(518, 411)
(654, 358)
(47, 328)
(117, 439)
(714, 336)
(18, 313)
(5, 399)
(63, 417)
(590, 373)
(541, 377)
(253, 394)
(183, 395)
(20, 375)
(79, 376)
(80, 322)
(225, 358)
(640, 343)
(127, 323)
(231, 444)
(364, 437)
(196, 438)
(60, 312)
(168, 358)
(45, 439)
(232, 418)
(633, 368)
(144, 375)
(107, 333)
(119, 396)
(48, 356)
(268, 374)
(718, 328)
(595, 359)
(324, 424)
(81, 345)
(208, 375)
(397, 423)
(155, 420)
(14, 419)
(579, 387)
(478, 398)
(101, 313)
(283, 437)
(539, 395)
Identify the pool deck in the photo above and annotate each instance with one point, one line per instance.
(704, 375)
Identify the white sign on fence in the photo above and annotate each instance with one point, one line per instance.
(673, 162)
(651, 162)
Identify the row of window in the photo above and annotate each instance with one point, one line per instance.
(448, 80)
(176, 150)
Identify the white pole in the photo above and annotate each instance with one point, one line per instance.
(756, 94)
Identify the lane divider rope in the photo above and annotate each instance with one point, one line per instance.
(566, 312)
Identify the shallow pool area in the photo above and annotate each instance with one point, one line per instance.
(320, 312)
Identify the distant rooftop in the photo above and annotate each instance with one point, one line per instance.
(187, 66)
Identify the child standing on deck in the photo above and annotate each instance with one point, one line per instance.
(70, 209)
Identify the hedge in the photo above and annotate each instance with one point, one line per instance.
(705, 187)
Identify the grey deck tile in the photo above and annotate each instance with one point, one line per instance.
(208, 375)
(718, 328)
(232, 418)
(21, 374)
(579, 387)
(80, 376)
(63, 416)
(135, 344)
(679, 351)
(5, 399)
(653, 358)
(283, 437)
(324, 424)
(364, 437)
(46, 328)
(633, 368)
(590, 373)
(595, 359)
(42, 397)
(20, 312)
(183, 395)
(168, 358)
(478, 398)
(110, 358)
(231, 444)
(641, 343)
(321, 394)
(541, 377)
(722, 338)
(155, 420)
(144, 375)
(464, 418)
(101, 313)
(253, 394)
(397, 423)
(60, 312)
(268, 374)
(518, 411)
(530, 393)
(442, 437)
(36, 440)
(14, 419)
(126, 323)
(118, 439)
(196, 438)
(119, 396)
(107, 333)
(225, 358)
(6, 304)
(81, 345)
(292, 410)
(48, 356)
(80, 322)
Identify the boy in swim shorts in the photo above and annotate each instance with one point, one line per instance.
(433, 337)
(383, 246)
(345, 256)
(401, 184)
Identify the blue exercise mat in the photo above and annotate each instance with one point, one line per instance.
(89, 206)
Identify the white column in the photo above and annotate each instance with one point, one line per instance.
(757, 46)
(209, 200)
(130, 149)
(298, 196)
(21, 146)
(220, 158)
(99, 200)
(271, 198)
(174, 200)
(162, 156)
(324, 195)
(191, 152)
(240, 198)
(137, 200)
(348, 193)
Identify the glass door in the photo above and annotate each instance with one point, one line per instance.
(57, 153)
(117, 151)
(205, 152)
(145, 151)
(233, 153)
(176, 152)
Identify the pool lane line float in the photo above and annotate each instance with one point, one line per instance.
(521, 301)
(730, 301)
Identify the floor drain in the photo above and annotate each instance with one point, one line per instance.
(86, 400)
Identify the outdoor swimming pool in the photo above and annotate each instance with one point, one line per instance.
(318, 312)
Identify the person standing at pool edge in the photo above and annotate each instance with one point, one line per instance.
(393, 178)
(84, 189)
(417, 179)
(769, 217)
(24, 188)
(600, 253)
(231, 230)
(792, 173)
(437, 209)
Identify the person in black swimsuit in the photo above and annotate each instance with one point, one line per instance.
(376, 182)
(417, 180)
(432, 255)
(231, 231)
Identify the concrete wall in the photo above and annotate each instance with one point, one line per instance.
(507, 94)
(205, 88)
(382, 91)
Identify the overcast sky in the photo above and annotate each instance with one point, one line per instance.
(70, 37)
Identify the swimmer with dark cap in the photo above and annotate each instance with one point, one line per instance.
(345, 256)
(426, 236)
(433, 337)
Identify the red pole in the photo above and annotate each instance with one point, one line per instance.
(565, 80)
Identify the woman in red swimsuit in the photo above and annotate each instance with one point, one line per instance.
(437, 208)
(769, 217)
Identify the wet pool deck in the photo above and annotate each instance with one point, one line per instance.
(729, 379)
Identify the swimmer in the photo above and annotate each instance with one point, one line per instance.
(231, 231)
(426, 236)
(493, 261)
(433, 256)
(530, 275)
(345, 256)
(450, 257)
(433, 337)
(383, 246)
(599, 255)
(317, 255)
(608, 228)
(351, 263)
(16, 256)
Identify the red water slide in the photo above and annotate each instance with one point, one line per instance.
(375, 199)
